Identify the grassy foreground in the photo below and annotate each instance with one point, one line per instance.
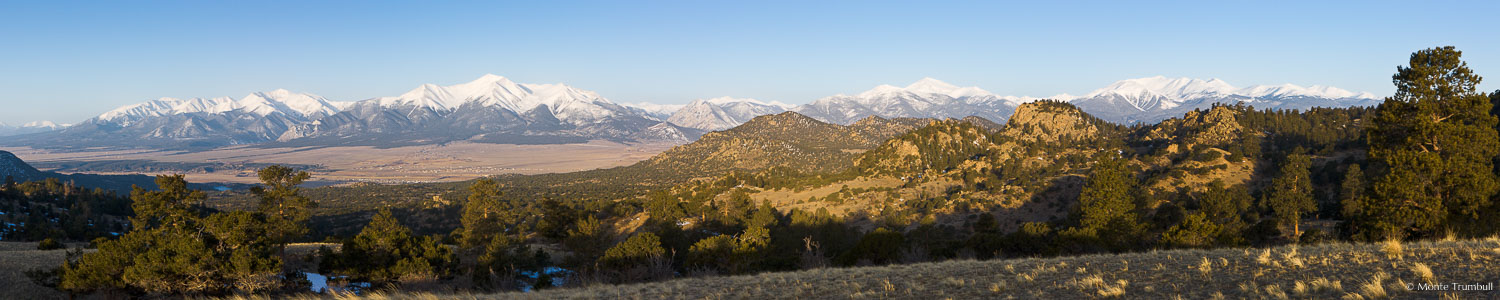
(1328, 271)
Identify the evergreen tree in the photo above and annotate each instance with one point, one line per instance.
(635, 251)
(481, 214)
(1196, 231)
(385, 251)
(173, 205)
(172, 250)
(1227, 207)
(880, 246)
(1436, 142)
(1352, 193)
(282, 202)
(1106, 213)
(587, 240)
(556, 217)
(1290, 193)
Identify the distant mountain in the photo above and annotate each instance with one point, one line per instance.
(1158, 98)
(297, 106)
(492, 109)
(926, 98)
(196, 122)
(723, 113)
(32, 127)
(659, 112)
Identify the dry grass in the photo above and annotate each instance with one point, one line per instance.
(1392, 249)
(1307, 272)
(18, 257)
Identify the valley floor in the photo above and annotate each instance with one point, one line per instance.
(431, 163)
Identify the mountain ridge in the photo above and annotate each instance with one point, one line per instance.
(493, 108)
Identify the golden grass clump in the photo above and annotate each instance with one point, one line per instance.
(1375, 288)
(1423, 272)
(1392, 249)
(1206, 267)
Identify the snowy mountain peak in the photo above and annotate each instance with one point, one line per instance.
(928, 85)
(40, 124)
(723, 101)
(723, 112)
(564, 102)
(1292, 90)
(1161, 86)
(262, 103)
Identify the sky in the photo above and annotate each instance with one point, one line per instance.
(69, 61)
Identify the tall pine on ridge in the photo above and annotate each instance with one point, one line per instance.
(1435, 142)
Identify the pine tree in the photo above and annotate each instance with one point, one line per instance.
(172, 250)
(173, 205)
(587, 240)
(481, 214)
(1227, 207)
(1291, 192)
(1106, 212)
(385, 251)
(282, 202)
(1352, 193)
(1436, 142)
(635, 251)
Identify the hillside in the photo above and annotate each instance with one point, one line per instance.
(786, 139)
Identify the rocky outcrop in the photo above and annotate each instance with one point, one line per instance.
(1050, 122)
(1215, 126)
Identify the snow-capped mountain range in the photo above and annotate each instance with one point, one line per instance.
(30, 127)
(926, 98)
(299, 105)
(1157, 98)
(723, 113)
(495, 109)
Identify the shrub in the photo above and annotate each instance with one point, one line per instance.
(49, 244)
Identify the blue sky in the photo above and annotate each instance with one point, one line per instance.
(68, 61)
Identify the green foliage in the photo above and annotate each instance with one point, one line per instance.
(281, 200)
(49, 244)
(1227, 208)
(173, 205)
(1106, 212)
(1196, 231)
(174, 250)
(881, 246)
(482, 215)
(1436, 143)
(941, 146)
(635, 251)
(1290, 193)
(386, 251)
(556, 217)
(587, 240)
(1352, 197)
(54, 209)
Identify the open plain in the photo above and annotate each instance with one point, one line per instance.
(336, 165)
